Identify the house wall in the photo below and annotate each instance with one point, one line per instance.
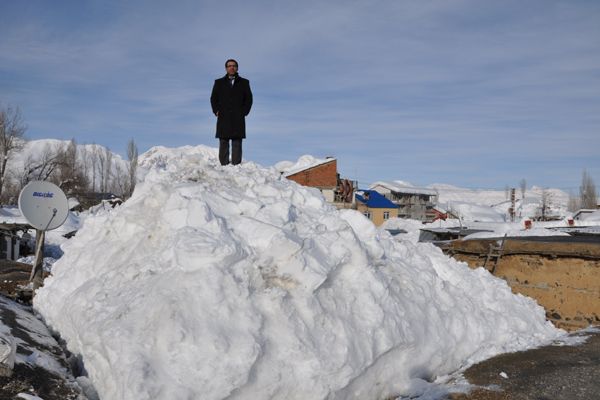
(321, 176)
(377, 213)
(411, 205)
(329, 195)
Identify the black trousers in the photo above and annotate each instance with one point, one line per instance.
(236, 151)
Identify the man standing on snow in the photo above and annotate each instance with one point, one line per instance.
(231, 100)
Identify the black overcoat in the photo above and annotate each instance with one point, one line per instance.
(232, 103)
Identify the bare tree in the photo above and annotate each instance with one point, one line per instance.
(107, 169)
(94, 161)
(40, 168)
(70, 176)
(132, 156)
(587, 192)
(573, 204)
(546, 203)
(119, 184)
(101, 168)
(10, 194)
(12, 131)
(523, 187)
(71, 158)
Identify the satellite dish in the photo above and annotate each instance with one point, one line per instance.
(43, 205)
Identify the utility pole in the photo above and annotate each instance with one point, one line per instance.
(511, 210)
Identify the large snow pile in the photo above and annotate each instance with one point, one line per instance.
(412, 228)
(230, 282)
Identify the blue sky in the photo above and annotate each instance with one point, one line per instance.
(479, 94)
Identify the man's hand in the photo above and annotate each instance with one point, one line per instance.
(217, 114)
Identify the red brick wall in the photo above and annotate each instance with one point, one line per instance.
(324, 175)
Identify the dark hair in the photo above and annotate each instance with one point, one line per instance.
(231, 59)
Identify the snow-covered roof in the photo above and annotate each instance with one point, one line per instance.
(288, 168)
(403, 187)
(373, 199)
(587, 215)
(475, 212)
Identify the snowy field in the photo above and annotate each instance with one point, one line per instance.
(232, 283)
(456, 199)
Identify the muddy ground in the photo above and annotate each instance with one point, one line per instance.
(547, 373)
(13, 275)
(41, 368)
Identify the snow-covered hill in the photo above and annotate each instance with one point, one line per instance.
(94, 159)
(230, 282)
(453, 197)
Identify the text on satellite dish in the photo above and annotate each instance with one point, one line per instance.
(42, 194)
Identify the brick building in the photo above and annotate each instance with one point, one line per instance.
(320, 174)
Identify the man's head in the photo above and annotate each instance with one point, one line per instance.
(231, 66)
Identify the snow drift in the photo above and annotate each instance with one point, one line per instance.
(230, 282)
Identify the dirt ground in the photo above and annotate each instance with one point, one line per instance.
(547, 373)
(36, 381)
(33, 344)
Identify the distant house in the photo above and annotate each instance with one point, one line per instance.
(322, 174)
(413, 202)
(15, 240)
(375, 206)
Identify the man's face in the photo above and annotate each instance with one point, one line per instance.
(231, 68)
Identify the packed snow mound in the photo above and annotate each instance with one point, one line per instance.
(231, 282)
(412, 228)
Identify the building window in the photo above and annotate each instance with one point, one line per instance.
(386, 215)
(367, 214)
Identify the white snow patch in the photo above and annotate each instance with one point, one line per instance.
(287, 168)
(591, 217)
(410, 226)
(28, 396)
(527, 207)
(469, 212)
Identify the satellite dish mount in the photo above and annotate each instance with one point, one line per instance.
(45, 206)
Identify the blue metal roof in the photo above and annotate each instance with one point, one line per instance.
(373, 199)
